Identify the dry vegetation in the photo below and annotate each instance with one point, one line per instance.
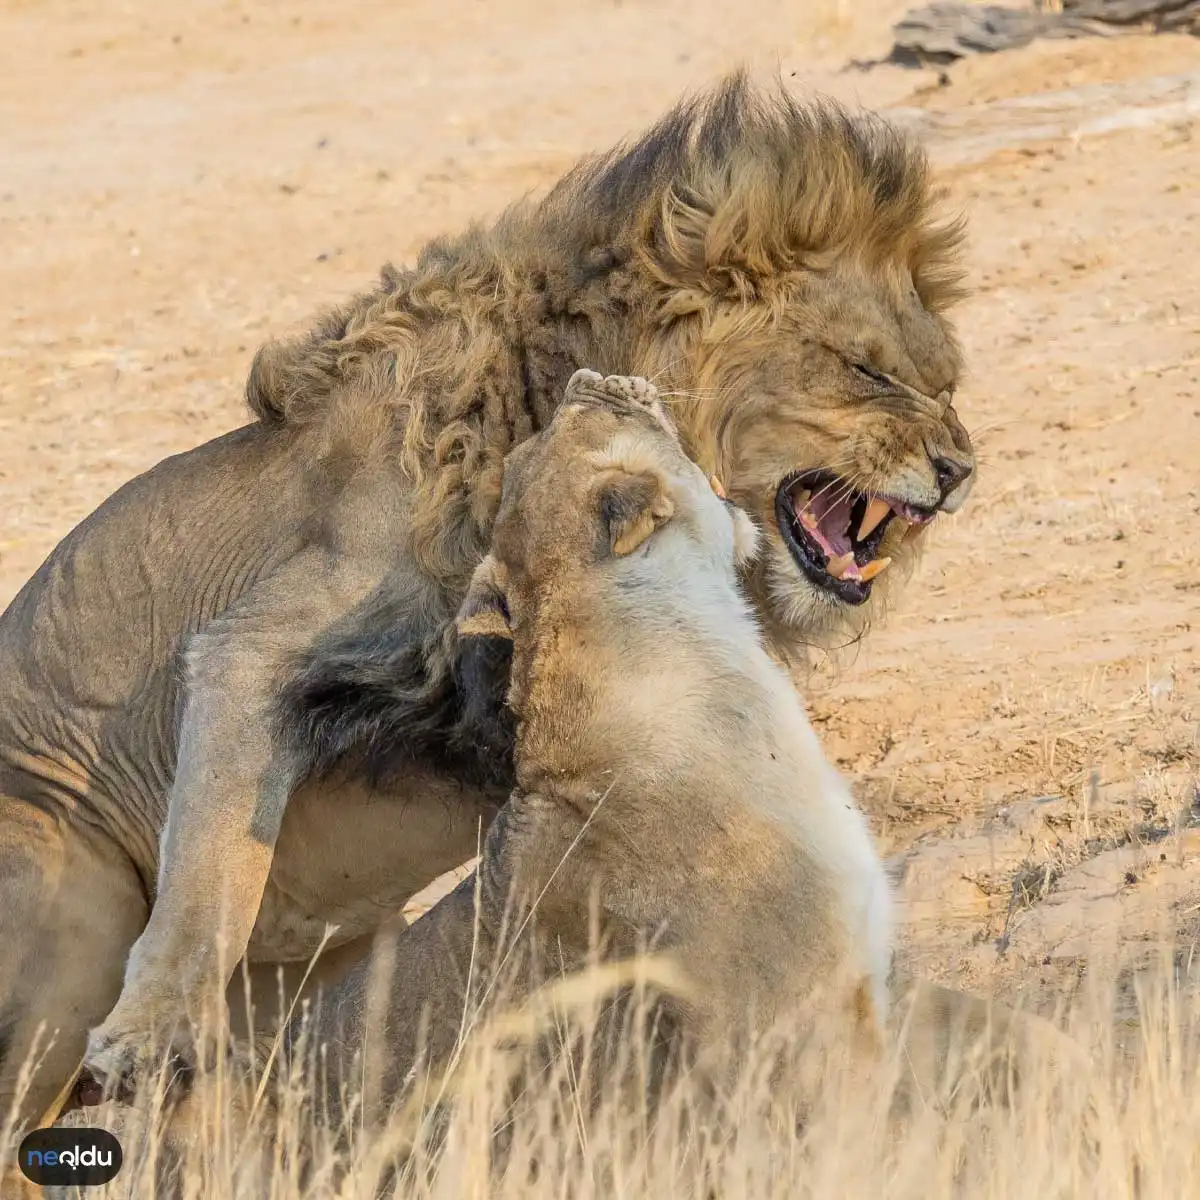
(1117, 1120)
(1024, 732)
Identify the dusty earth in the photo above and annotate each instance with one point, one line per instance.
(178, 182)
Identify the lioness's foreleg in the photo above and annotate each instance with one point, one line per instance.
(234, 775)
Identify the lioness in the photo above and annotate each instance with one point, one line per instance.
(669, 788)
(232, 705)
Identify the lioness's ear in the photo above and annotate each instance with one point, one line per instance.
(484, 610)
(632, 506)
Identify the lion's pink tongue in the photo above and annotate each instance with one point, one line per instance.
(826, 516)
(827, 519)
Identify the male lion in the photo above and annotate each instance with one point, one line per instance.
(670, 791)
(233, 708)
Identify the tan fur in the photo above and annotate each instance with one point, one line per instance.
(670, 791)
(159, 818)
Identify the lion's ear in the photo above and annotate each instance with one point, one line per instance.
(632, 506)
(484, 610)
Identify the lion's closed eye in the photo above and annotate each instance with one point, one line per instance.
(867, 371)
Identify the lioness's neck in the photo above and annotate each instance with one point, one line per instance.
(658, 727)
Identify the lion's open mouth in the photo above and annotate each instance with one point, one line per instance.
(834, 532)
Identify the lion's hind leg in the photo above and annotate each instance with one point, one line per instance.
(959, 1048)
(71, 906)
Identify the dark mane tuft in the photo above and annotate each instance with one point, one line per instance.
(374, 698)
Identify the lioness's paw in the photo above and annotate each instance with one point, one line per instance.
(583, 380)
(624, 393)
(112, 1070)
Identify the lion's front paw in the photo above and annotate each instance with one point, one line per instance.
(117, 1065)
(112, 1068)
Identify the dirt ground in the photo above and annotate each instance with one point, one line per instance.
(178, 182)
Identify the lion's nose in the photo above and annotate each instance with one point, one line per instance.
(950, 474)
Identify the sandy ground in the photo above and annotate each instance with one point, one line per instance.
(179, 181)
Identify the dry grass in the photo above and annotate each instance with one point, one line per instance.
(1120, 1120)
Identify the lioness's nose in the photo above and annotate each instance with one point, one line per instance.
(950, 474)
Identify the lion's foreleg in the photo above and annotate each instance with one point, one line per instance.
(232, 782)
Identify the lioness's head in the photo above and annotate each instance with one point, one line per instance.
(593, 487)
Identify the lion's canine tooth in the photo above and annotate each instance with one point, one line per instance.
(839, 564)
(715, 484)
(876, 511)
(873, 568)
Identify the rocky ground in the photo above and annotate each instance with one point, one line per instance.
(178, 182)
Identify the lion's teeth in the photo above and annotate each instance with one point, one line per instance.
(876, 511)
(839, 565)
(873, 568)
(715, 484)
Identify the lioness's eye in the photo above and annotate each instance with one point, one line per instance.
(870, 373)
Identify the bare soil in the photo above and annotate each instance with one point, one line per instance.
(178, 182)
